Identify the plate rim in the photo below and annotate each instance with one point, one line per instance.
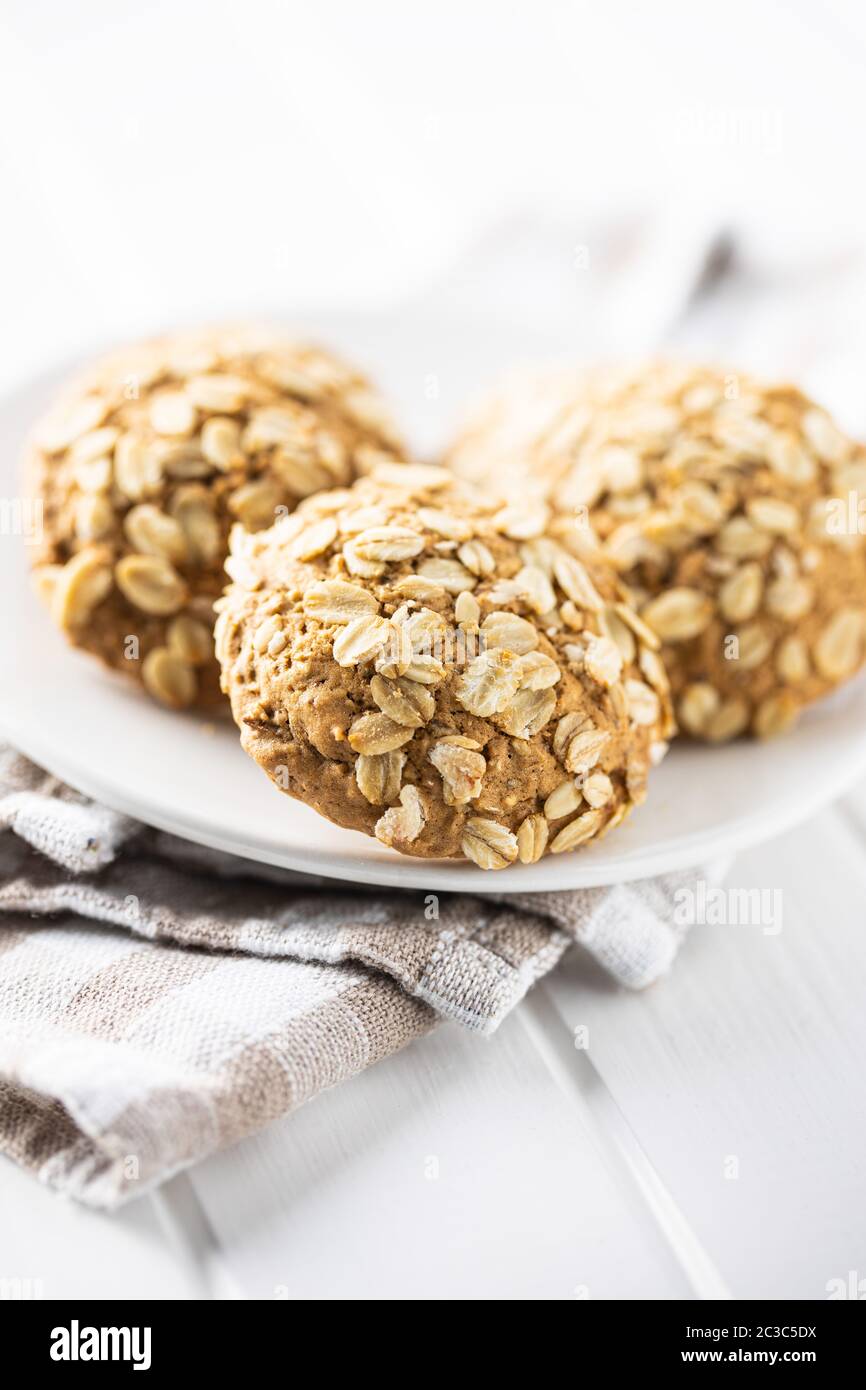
(413, 872)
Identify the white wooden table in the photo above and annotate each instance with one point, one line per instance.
(710, 1140)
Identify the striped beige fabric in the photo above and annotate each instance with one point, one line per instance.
(159, 1000)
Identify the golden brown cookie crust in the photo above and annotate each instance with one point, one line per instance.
(419, 662)
(150, 457)
(730, 507)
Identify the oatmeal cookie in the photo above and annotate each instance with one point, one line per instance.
(148, 460)
(731, 508)
(418, 661)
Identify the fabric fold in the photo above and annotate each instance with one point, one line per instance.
(159, 1000)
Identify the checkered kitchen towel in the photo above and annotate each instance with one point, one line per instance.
(159, 1000)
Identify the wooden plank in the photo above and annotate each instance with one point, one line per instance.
(455, 1170)
(740, 1075)
(59, 1249)
(853, 807)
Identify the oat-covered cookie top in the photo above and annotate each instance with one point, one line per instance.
(148, 459)
(420, 661)
(730, 506)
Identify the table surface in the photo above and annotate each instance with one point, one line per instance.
(706, 1140)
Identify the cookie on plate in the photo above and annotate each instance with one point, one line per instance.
(150, 457)
(731, 508)
(418, 661)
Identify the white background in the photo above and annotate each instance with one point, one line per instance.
(170, 161)
(194, 157)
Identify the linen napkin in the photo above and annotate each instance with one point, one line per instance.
(159, 1000)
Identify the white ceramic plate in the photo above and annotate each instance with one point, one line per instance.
(179, 774)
